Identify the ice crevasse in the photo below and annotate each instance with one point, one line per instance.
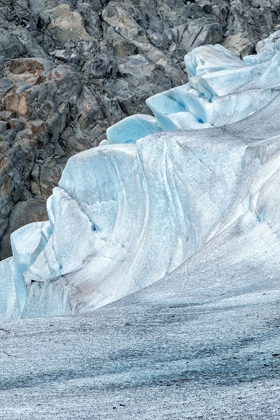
(131, 211)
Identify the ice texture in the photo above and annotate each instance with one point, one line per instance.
(157, 191)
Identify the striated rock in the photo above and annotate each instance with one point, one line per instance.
(10, 47)
(66, 25)
(238, 43)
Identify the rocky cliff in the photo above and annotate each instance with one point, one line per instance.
(70, 69)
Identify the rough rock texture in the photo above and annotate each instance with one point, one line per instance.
(72, 68)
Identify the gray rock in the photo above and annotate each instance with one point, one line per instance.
(10, 47)
(16, 125)
(3, 127)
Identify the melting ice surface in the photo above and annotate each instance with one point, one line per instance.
(159, 188)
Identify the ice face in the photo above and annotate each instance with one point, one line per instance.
(8, 297)
(222, 89)
(131, 211)
(132, 129)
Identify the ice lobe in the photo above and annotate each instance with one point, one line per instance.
(130, 212)
(222, 89)
(132, 129)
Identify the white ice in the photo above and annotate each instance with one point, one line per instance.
(131, 211)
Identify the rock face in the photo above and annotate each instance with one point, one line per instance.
(70, 69)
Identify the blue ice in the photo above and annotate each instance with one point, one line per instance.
(131, 211)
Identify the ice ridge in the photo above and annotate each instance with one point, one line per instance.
(131, 211)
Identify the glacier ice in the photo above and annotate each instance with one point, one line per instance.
(132, 129)
(131, 211)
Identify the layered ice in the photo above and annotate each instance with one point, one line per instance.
(131, 211)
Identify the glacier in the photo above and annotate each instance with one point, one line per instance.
(158, 191)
